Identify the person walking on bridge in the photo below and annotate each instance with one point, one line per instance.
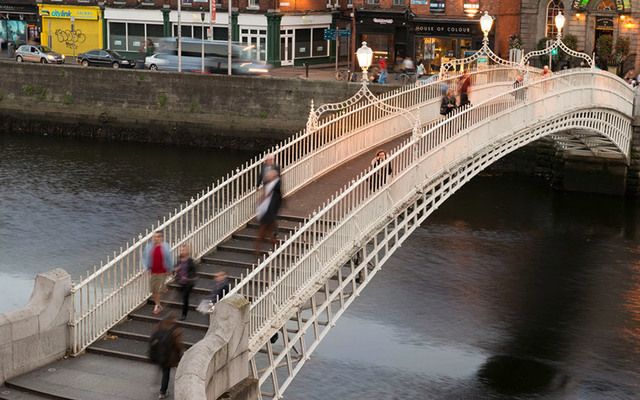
(267, 165)
(268, 207)
(185, 277)
(379, 178)
(165, 349)
(157, 260)
(464, 88)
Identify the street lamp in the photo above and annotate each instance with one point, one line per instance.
(202, 44)
(365, 57)
(560, 24)
(486, 22)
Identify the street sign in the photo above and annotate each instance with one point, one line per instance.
(344, 32)
(329, 34)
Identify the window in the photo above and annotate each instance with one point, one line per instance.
(376, 2)
(319, 44)
(553, 8)
(349, 3)
(254, 4)
(117, 36)
(135, 36)
(303, 43)
(257, 39)
(398, 2)
(155, 32)
(606, 5)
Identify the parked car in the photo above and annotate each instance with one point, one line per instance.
(38, 54)
(104, 58)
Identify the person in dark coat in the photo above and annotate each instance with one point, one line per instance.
(185, 277)
(379, 178)
(168, 330)
(268, 208)
(220, 288)
(267, 165)
(448, 103)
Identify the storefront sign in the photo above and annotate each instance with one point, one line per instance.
(604, 23)
(444, 29)
(90, 13)
(437, 6)
(383, 21)
(419, 2)
(11, 8)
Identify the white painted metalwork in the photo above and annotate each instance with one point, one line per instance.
(109, 292)
(302, 287)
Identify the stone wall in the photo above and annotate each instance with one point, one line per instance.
(38, 333)
(145, 106)
(219, 363)
(633, 175)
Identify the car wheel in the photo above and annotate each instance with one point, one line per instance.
(19, 59)
(85, 63)
(153, 67)
(43, 61)
(115, 65)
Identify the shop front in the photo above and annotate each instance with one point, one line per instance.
(386, 33)
(437, 42)
(18, 24)
(71, 30)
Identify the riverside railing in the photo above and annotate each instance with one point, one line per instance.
(286, 278)
(109, 292)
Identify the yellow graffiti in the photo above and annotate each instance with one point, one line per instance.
(71, 39)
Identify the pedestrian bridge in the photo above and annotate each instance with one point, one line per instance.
(341, 222)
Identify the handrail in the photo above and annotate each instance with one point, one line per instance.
(288, 287)
(110, 292)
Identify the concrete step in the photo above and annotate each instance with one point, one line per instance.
(14, 393)
(142, 330)
(230, 258)
(121, 347)
(206, 271)
(173, 300)
(91, 377)
(194, 318)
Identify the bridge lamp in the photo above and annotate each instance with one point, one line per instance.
(365, 57)
(486, 22)
(560, 23)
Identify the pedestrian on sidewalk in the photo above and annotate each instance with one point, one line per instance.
(268, 164)
(165, 349)
(382, 77)
(157, 260)
(268, 207)
(185, 277)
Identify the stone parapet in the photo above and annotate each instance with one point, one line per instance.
(38, 333)
(220, 361)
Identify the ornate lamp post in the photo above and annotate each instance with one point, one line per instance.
(558, 43)
(486, 23)
(365, 57)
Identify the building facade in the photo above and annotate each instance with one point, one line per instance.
(18, 22)
(433, 31)
(587, 20)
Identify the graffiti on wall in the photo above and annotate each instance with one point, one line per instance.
(70, 38)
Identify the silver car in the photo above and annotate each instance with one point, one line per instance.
(38, 54)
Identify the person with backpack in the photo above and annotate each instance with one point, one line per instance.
(165, 349)
(185, 277)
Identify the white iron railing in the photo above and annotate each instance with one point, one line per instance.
(294, 271)
(109, 292)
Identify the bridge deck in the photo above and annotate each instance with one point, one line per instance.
(117, 365)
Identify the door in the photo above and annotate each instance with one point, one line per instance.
(34, 54)
(286, 47)
(103, 59)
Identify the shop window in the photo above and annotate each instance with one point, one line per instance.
(303, 43)
(380, 44)
(135, 38)
(256, 39)
(320, 47)
(553, 8)
(155, 32)
(220, 34)
(117, 36)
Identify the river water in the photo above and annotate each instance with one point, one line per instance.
(509, 291)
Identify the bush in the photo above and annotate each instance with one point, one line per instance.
(604, 49)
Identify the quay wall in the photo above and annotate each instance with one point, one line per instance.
(239, 112)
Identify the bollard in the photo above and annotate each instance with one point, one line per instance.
(306, 70)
